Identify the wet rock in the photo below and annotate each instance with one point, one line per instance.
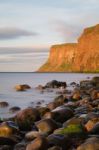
(52, 105)
(43, 110)
(90, 124)
(95, 129)
(14, 109)
(95, 94)
(55, 84)
(74, 130)
(60, 99)
(33, 134)
(8, 128)
(76, 96)
(40, 143)
(3, 104)
(26, 117)
(90, 144)
(95, 80)
(83, 109)
(50, 115)
(59, 140)
(72, 121)
(91, 116)
(22, 87)
(95, 103)
(86, 84)
(62, 113)
(84, 101)
(46, 125)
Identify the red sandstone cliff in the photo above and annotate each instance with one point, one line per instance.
(75, 57)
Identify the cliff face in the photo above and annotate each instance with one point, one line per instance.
(75, 57)
(87, 55)
(61, 57)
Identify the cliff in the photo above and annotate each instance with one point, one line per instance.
(75, 57)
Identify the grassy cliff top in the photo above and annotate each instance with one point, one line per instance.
(64, 45)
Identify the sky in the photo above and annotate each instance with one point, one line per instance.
(28, 28)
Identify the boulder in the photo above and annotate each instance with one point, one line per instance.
(62, 113)
(14, 109)
(55, 84)
(91, 123)
(95, 80)
(95, 94)
(84, 109)
(76, 96)
(95, 129)
(50, 115)
(59, 140)
(31, 135)
(3, 104)
(91, 116)
(46, 125)
(22, 87)
(40, 143)
(73, 120)
(90, 144)
(73, 130)
(26, 117)
(60, 99)
(43, 110)
(52, 105)
(86, 84)
(8, 128)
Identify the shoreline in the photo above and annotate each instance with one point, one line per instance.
(71, 115)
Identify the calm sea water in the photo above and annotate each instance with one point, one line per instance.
(24, 99)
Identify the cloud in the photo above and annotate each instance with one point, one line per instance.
(7, 33)
(68, 32)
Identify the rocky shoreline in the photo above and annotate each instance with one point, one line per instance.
(70, 122)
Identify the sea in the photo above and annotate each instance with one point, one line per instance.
(31, 97)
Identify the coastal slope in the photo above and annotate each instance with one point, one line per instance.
(82, 56)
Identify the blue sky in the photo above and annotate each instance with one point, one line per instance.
(29, 27)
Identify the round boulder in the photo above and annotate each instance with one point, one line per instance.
(26, 117)
(62, 113)
(32, 135)
(8, 128)
(46, 125)
(14, 109)
(40, 143)
(22, 87)
(90, 144)
(59, 140)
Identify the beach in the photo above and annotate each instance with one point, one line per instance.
(49, 111)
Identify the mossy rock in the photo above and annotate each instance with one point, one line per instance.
(73, 129)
